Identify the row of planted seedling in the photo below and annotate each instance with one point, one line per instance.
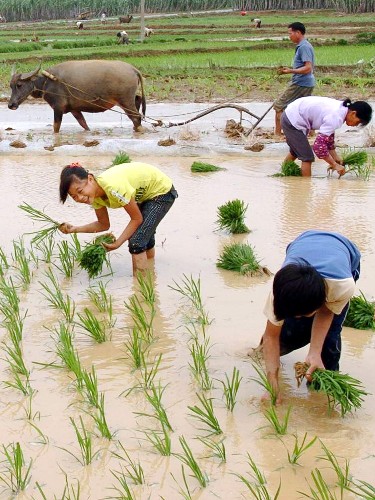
(86, 383)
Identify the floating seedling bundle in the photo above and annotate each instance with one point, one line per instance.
(289, 169)
(94, 255)
(121, 157)
(51, 226)
(198, 166)
(361, 313)
(231, 217)
(342, 390)
(240, 257)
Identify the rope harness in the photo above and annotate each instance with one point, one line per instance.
(155, 122)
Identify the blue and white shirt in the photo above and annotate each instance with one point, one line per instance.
(335, 258)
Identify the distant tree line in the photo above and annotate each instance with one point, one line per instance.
(28, 10)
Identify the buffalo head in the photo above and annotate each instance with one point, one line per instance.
(22, 85)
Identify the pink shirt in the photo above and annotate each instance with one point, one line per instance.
(322, 114)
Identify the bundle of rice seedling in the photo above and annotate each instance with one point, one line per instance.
(198, 166)
(120, 158)
(357, 162)
(361, 313)
(39, 216)
(289, 169)
(94, 254)
(355, 158)
(239, 257)
(231, 217)
(342, 390)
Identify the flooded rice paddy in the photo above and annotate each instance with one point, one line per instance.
(188, 246)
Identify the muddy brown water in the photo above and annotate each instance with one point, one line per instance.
(188, 244)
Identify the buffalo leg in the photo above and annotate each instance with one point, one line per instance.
(80, 119)
(57, 119)
(133, 114)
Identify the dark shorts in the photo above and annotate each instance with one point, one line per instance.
(153, 211)
(291, 93)
(299, 146)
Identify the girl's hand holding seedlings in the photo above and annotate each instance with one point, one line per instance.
(66, 228)
(314, 363)
(112, 246)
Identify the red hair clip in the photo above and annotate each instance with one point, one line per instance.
(75, 164)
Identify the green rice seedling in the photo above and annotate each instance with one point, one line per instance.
(218, 449)
(239, 257)
(342, 390)
(90, 387)
(121, 157)
(199, 166)
(37, 215)
(189, 460)
(257, 485)
(9, 302)
(14, 327)
(149, 374)
(15, 360)
(94, 328)
(43, 438)
(102, 301)
(134, 470)
(30, 415)
(323, 491)
(94, 255)
(153, 395)
(46, 248)
(22, 262)
(20, 384)
(280, 426)
(75, 246)
(230, 388)
(160, 440)
(184, 492)
(123, 490)
(55, 297)
(231, 217)
(69, 492)
(4, 264)
(142, 322)
(362, 490)
(289, 169)
(147, 289)
(361, 313)
(66, 258)
(299, 448)
(136, 349)
(206, 414)
(101, 420)
(191, 289)
(356, 162)
(342, 473)
(84, 439)
(67, 354)
(199, 352)
(16, 475)
(264, 382)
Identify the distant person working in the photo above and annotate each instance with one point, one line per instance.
(123, 37)
(257, 22)
(303, 80)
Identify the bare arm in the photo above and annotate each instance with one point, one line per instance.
(136, 219)
(321, 324)
(303, 70)
(101, 224)
(271, 352)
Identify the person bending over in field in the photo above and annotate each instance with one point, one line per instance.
(309, 302)
(142, 190)
(325, 115)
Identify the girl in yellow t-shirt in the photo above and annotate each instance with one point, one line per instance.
(143, 190)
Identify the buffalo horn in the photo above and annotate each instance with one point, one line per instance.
(27, 76)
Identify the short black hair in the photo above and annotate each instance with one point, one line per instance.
(68, 175)
(298, 290)
(298, 27)
(362, 109)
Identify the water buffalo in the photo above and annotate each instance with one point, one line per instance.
(74, 86)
